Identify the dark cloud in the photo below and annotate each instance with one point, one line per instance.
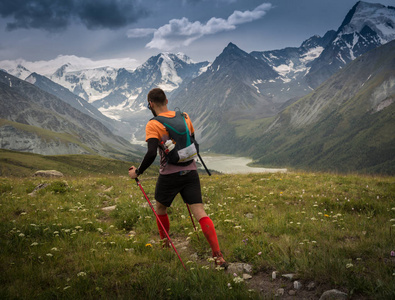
(55, 15)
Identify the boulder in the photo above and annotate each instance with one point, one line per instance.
(48, 173)
(333, 295)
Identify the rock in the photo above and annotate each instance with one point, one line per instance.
(297, 285)
(109, 208)
(311, 286)
(239, 268)
(247, 268)
(194, 256)
(37, 188)
(48, 173)
(280, 292)
(291, 292)
(246, 276)
(109, 189)
(289, 276)
(333, 295)
(274, 275)
(249, 215)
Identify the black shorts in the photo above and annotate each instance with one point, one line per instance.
(188, 185)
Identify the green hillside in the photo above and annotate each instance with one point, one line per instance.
(26, 164)
(345, 125)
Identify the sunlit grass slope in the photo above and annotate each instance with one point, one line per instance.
(58, 243)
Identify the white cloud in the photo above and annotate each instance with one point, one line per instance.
(182, 32)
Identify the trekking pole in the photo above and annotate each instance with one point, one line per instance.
(204, 165)
(192, 221)
(159, 221)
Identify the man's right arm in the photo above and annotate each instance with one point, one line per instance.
(149, 158)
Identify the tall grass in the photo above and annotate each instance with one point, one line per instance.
(58, 243)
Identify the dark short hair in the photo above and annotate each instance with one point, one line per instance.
(157, 95)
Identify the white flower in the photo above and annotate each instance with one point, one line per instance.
(238, 279)
(34, 244)
(81, 274)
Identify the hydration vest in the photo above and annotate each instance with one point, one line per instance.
(185, 146)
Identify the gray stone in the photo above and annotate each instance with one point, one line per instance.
(109, 208)
(274, 275)
(249, 215)
(333, 295)
(289, 276)
(239, 268)
(37, 188)
(291, 292)
(311, 286)
(48, 173)
(246, 276)
(297, 285)
(280, 292)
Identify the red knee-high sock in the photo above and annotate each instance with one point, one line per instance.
(166, 223)
(210, 234)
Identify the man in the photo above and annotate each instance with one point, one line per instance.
(174, 178)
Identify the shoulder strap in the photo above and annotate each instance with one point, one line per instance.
(176, 125)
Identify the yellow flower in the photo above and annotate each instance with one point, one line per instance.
(148, 245)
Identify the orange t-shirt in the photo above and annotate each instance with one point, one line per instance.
(157, 130)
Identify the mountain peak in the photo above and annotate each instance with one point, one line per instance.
(379, 18)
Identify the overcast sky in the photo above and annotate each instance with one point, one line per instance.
(134, 30)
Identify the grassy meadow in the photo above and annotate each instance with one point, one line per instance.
(58, 243)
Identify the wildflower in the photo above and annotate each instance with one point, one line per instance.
(54, 249)
(238, 279)
(34, 244)
(230, 286)
(49, 254)
(326, 215)
(259, 253)
(81, 274)
(349, 265)
(22, 235)
(100, 230)
(148, 245)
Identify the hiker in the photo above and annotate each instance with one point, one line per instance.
(174, 177)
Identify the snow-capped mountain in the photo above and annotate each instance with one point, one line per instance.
(39, 122)
(166, 70)
(118, 93)
(89, 84)
(16, 70)
(292, 64)
(365, 27)
(226, 91)
(77, 102)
